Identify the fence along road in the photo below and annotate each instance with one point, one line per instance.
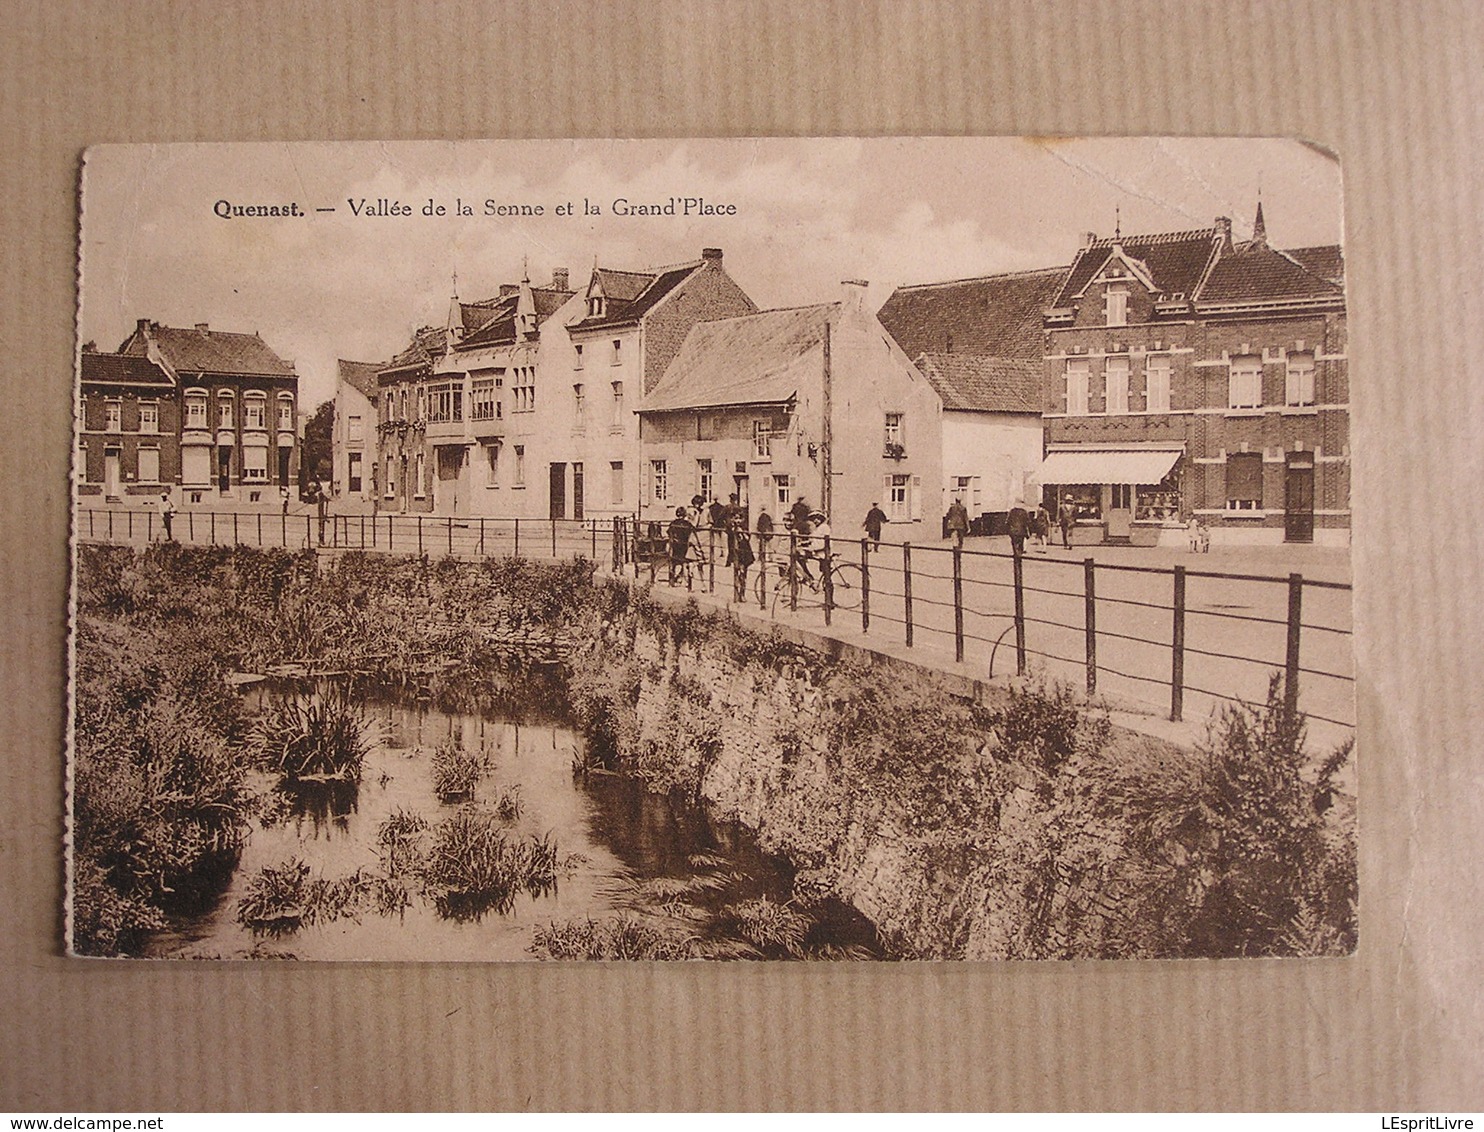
(1174, 641)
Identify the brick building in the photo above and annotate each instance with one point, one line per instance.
(1190, 375)
(128, 434)
(353, 447)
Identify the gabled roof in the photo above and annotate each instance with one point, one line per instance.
(1175, 261)
(1255, 273)
(202, 350)
(757, 359)
(996, 315)
(130, 369)
(976, 383)
(630, 295)
(360, 376)
(476, 314)
(500, 328)
(428, 343)
(1326, 261)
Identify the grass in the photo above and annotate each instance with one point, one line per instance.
(285, 897)
(774, 929)
(455, 771)
(315, 737)
(400, 842)
(473, 866)
(616, 937)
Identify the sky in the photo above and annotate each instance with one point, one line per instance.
(804, 214)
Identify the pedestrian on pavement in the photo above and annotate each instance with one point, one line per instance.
(875, 520)
(1018, 522)
(1042, 525)
(322, 508)
(741, 560)
(680, 531)
(1067, 518)
(799, 513)
(732, 518)
(764, 535)
(958, 521)
(167, 513)
(284, 493)
(697, 512)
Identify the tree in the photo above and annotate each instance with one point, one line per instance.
(318, 431)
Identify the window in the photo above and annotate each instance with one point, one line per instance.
(615, 482)
(1245, 385)
(659, 474)
(445, 402)
(966, 488)
(898, 501)
(895, 442)
(578, 363)
(149, 416)
(1115, 306)
(149, 465)
(520, 465)
(353, 473)
(482, 399)
(523, 388)
(195, 411)
(1161, 502)
(705, 481)
(579, 405)
(1077, 387)
(353, 431)
(113, 416)
(1244, 481)
(783, 493)
(285, 414)
(255, 413)
(417, 480)
(255, 464)
(595, 306)
(618, 421)
(618, 351)
(1300, 379)
(422, 404)
(1115, 381)
(391, 475)
(705, 427)
(1157, 383)
(387, 409)
(224, 417)
(762, 440)
(492, 469)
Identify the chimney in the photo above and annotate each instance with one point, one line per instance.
(558, 278)
(141, 325)
(711, 255)
(1224, 232)
(1089, 238)
(853, 294)
(203, 329)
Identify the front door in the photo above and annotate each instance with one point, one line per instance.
(1120, 513)
(559, 491)
(577, 491)
(224, 470)
(1298, 498)
(283, 465)
(111, 475)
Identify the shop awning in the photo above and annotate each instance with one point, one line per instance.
(1105, 465)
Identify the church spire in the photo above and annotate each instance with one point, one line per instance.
(1259, 228)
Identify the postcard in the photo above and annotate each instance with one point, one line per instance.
(770, 549)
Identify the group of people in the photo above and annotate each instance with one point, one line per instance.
(808, 529)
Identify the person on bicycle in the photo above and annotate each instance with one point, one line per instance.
(812, 547)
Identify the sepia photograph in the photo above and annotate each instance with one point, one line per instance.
(748, 549)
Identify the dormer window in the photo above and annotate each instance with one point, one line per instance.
(1115, 306)
(595, 306)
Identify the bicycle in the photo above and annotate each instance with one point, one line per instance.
(846, 583)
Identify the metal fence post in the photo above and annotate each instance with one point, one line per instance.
(481, 536)
(958, 604)
(90, 522)
(517, 539)
(419, 534)
(711, 564)
(283, 529)
(213, 528)
(363, 532)
(110, 526)
(828, 580)
(865, 585)
(1019, 567)
(390, 527)
(1091, 620)
(1291, 676)
(130, 529)
(149, 526)
(793, 572)
(553, 538)
(594, 524)
(907, 589)
(190, 526)
(1177, 648)
(308, 530)
(450, 536)
(260, 530)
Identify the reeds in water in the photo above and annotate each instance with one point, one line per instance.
(455, 771)
(473, 866)
(617, 937)
(322, 736)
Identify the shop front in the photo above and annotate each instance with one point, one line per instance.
(1121, 495)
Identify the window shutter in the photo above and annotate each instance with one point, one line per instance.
(915, 499)
(886, 492)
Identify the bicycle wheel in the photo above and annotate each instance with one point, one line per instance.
(846, 578)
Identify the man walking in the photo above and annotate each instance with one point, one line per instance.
(1067, 519)
(167, 513)
(958, 522)
(875, 520)
(1018, 522)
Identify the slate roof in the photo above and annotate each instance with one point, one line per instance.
(476, 314)
(756, 359)
(994, 315)
(1326, 261)
(983, 384)
(630, 295)
(500, 328)
(1253, 272)
(130, 368)
(361, 376)
(210, 351)
(1176, 261)
(427, 344)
